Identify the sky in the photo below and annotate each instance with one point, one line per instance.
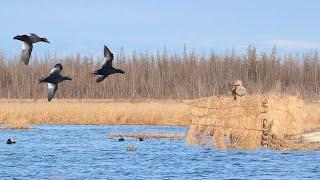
(81, 26)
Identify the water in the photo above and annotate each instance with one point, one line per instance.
(85, 152)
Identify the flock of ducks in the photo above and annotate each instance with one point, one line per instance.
(129, 148)
(54, 77)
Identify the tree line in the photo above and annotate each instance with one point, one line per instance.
(167, 76)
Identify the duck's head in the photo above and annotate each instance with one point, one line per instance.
(18, 37)
(67, 78)
(44, 40)
(58, 66)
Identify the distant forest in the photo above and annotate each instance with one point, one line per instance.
(166, 76)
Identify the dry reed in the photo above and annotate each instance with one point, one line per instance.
(14, 122)
(251, 122)
(151, 112)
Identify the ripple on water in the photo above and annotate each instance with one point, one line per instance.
(77, 152)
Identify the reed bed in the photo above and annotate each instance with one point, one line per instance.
(253, 122)
(15, 122)
(133, 112)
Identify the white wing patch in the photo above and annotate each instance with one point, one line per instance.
(51, 90)
(105, 60)
(51, 86)
(25, 46)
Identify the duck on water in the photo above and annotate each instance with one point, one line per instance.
(121, 138)
(11, 141)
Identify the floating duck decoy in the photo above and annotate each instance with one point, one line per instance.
(131, 148)
(11, 141)
(121, 138)
(27, 45)
(107, 68)
(53, 80)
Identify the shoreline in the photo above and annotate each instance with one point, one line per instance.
(275, 121)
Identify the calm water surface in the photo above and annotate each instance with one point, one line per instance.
(85, 152)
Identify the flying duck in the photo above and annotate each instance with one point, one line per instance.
(11, 141)
(27, 45)
(53, 80)
(106, 68)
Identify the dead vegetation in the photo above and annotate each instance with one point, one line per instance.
(160, 75)
(253, 122)
(16, 123)
(16, 113)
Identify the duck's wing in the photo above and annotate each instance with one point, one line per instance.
(52, 88)
(26, 52)
(44, 79)
(108, 57)
(34, 38)
(101, 78)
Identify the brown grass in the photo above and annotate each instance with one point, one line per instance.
(133, 112)
(15, 122)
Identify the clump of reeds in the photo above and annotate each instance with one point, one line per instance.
(229, 122)
(15, 122)
(255, 121)
(196, 135)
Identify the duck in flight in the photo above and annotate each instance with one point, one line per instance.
(107, 68)
(53, 80)
(27, 45)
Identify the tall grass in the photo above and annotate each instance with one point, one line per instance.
(20, 113)
(167, 76)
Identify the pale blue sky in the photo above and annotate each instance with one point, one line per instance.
(147, 25)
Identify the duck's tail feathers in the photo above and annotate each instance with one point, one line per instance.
(93, 74)
(41, 80)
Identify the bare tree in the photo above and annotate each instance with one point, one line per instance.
(162, 75)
